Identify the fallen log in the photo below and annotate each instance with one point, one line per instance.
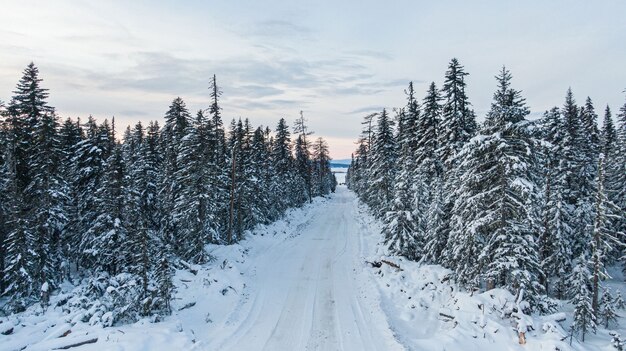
(378, 264)
(188, 305)
(446, 316)
(391, 264)
(81, 343)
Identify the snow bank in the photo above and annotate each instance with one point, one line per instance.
(428, 311)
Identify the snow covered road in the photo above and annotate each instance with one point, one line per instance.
(310, 292)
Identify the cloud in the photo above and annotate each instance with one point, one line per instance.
(132, 113)
(243, 103)
(371, 54)
(255, 90)
(279, 28)
(367, 109)
(161, 72)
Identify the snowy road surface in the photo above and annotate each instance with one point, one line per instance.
(310, 292)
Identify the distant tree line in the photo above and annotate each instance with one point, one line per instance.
(77, 204)
(533, 206)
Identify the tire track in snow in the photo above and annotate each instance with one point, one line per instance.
(310, 291)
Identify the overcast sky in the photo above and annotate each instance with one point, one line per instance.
(335, 60)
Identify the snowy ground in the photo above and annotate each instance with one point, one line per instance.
(303, 284)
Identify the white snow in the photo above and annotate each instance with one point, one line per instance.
(303, 283)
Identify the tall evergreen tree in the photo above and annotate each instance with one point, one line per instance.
(584, 317)
(89, 168)
(32, 152)
(496, 197)
(616, 180)
(399, 230)
(404, 221)
(591, 132)
(603, 240)
(48, 194)
(261, 206)
(303, 154)
(381, 170)
(579, 181)
(137, 212)
(557, 233)
(428, 133)
(458, 122)
(219, 169)
(5, 190)
(177, 122)
(322, 174)
(609, 134)
(163, 276)
(283, 163)
(101, 242)
(193, 222)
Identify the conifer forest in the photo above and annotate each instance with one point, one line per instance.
(84, 201)
(536, 207)
(328, 176)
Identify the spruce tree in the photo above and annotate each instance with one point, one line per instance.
(32, 183)
(89, 168)
(101, 242)
(613, 148)
(404, 221)
(303, 154)
(163, 277)
(48, 194)
(399, 229)
(435, 238)
(381, 168)
(603, 239)
(25, 110)
(219, 169)
(5, 190)
(359, 174)
(427, 134)
(609, 134)
(555, 249)
(216, 122)
(262, 199)
(556, 236)
(282, 160)
(322, 174)
(177, 122)
(137, 212)
(619, 301)
(607, 314)
(458, 122)
(70, 136)
(192, 220)
(495, 200)
(584, 317)
(591, 132)
(579, 182)
(617, 179)
(456, 127)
